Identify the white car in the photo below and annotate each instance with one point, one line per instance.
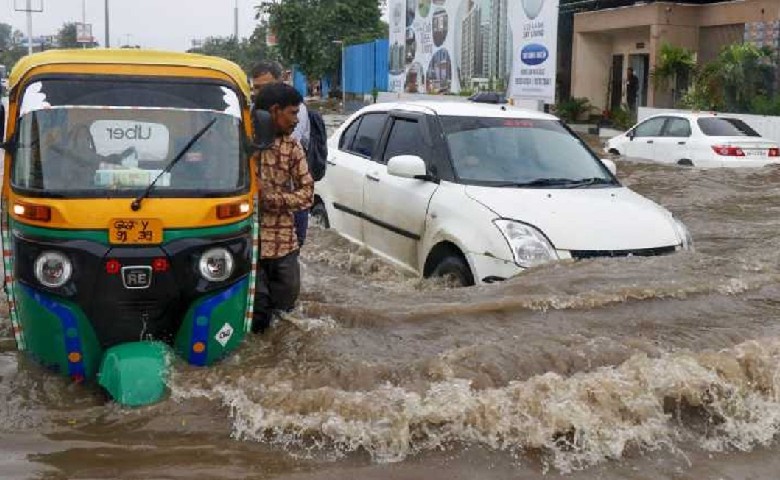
(696, 139)
(481, 192)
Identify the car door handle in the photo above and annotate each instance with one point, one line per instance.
(330, 162)
(681, 143)
(372, 178)
(649, 141)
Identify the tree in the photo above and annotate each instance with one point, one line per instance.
(245, 53)
(306, 30)
(675, 64)
(11, 49)
(67, 36)
(6, 36)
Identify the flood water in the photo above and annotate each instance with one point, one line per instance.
(635, 368)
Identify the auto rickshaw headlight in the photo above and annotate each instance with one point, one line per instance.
(53, 269)
(216, 264)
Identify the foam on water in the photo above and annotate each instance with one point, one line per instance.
(722, 400)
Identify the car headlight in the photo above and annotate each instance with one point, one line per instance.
(53, 269)
(529, 247)
(686, 240)
(216, 264)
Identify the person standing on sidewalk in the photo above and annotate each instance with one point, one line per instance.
(285, 188)
(266, 73)
(632, 90)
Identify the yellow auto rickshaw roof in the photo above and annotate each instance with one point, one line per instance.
(128, 56)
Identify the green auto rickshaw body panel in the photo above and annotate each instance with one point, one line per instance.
(214, 325)
(58, 334)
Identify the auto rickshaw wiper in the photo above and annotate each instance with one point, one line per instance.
(136, 205)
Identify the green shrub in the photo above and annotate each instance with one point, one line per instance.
(573, 108)
(621, 118)
(763, 105)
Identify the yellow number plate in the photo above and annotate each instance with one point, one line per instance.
(134, 231)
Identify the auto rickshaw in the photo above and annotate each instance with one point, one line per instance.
(129, 225)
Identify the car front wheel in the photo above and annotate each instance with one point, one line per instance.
(455, 269)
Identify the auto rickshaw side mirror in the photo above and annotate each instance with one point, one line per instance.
(263, 130)
(2, 124)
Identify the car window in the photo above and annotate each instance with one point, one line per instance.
(368, 134)
(650, 128)
(500, 151)
(405, 139)
(726, 127)
(678, 127)
(345, 143)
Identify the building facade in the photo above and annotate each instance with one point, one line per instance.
(606, 42)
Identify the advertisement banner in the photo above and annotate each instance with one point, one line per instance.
(448, 46)
(534, 68)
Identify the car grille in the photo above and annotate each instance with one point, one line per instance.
(641, 252)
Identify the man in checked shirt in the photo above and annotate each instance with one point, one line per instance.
(285, 188)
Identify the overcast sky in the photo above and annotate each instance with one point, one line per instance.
(161, 24)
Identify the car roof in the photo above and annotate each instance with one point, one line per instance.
(691, 115)
(459, 109)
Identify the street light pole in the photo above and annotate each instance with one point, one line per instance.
(29, 27)
(235, 21)
(108, 41)
(84, 19)
(343, 77)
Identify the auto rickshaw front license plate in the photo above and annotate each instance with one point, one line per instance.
(135, 231)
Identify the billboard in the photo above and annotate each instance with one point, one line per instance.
(445, 46)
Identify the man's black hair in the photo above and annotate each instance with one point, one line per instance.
(261, 68)
(279, 94)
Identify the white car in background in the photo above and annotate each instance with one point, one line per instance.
(696, 139)
(480, 192)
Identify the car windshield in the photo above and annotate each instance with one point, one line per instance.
(520, 152)
(726, 127)
(115, 150)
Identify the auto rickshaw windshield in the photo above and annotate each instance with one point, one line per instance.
(83, 149)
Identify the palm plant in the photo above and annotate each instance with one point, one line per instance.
(676, 64)
(572, 109)
(745, 72)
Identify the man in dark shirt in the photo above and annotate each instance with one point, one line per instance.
(632, 89)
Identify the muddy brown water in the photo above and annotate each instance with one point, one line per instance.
(637, 368)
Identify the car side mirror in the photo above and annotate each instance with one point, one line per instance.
(262, 130)
(631, 135)
(610, 165)
(408, 166)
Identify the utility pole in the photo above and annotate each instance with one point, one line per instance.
(28, 8)
(108, 42)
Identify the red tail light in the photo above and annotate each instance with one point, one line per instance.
(774, 152)
(728, 150)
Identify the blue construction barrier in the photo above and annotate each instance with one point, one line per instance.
(299, 82)
(367, 67)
